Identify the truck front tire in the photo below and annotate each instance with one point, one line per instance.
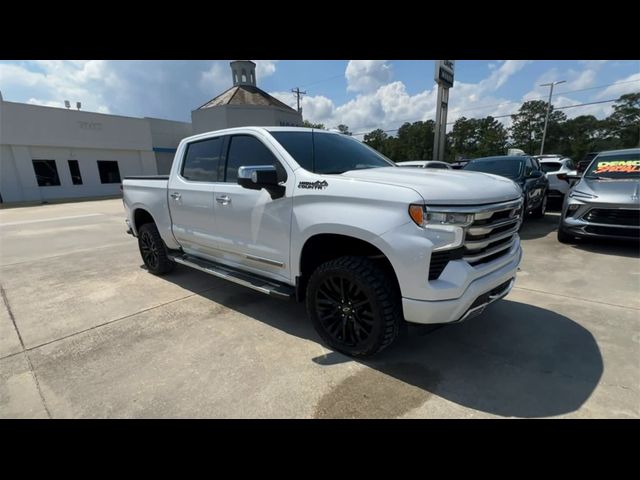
(153, 250)
(354, 306)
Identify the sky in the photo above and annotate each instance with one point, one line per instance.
(363, 94)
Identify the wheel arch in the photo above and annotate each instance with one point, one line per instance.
(323, 247)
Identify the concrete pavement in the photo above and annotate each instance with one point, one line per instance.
(85, 332)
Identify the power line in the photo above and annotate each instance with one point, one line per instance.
(543, 97)
(507, 115)
(323, 80)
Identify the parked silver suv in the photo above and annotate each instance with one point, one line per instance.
(605, 202)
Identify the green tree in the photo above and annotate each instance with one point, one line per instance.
(492, 137)
(528, 125)
(376, 139)
(471, 137)
(344, 129)
(464, 138)
(308, 124)
(581, 135)
(624, 122)
(414, 141)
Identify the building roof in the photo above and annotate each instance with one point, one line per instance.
(245, 95)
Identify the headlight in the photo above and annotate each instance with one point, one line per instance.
(424, 216)
(580, 194)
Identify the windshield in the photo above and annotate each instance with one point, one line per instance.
(615, 166)
(327, 153)
(550, 166)
(505, 167)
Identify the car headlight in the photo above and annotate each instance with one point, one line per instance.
(579, 194)
(425, 216)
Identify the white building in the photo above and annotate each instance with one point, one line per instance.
(243, 104)
(49, 153)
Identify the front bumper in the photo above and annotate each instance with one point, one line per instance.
(491, 287)
(579, 226)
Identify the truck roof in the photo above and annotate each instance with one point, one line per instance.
(226, 131)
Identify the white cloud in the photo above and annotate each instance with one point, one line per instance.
(61, 80)
(215, 80)
(367, 75)
(265, 68)
(624, 85)
(45, 103)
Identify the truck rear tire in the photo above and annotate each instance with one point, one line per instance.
(153, 250)
(354, 306)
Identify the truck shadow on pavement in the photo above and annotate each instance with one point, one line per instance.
(539, 227)
(515, 360)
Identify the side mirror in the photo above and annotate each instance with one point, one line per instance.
(258, 177)
(535, 174)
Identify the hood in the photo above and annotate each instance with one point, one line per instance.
(444, 187)
(614, 191)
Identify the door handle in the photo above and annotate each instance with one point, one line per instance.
(224, 200)
(175, 195)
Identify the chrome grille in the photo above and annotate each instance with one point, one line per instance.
(492, 232)
(490, 236)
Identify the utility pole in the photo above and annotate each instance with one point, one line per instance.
(298, 94)
(546, 120)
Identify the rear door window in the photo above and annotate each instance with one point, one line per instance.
(201, 160)
(550, 166)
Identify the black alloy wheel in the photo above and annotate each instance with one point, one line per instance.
(344, 310)
(149, 250)
(153, 250)
(355, 305)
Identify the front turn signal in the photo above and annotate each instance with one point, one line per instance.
(416, 212)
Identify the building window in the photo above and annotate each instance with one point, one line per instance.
(109, 171)
(46, 173)
(74, 169)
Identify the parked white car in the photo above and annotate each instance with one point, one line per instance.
(557, 169)
(425, 164)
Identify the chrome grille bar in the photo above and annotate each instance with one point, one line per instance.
(491, 251)
(478, 244)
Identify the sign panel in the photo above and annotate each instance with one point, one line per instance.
(444, 72)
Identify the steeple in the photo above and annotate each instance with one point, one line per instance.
(243, 72)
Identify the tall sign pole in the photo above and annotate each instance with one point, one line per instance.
(444, 78)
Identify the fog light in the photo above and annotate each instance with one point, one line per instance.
(571, 210)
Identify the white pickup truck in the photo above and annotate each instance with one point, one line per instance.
(320, 217)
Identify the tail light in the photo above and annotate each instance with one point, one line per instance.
(562, 176)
